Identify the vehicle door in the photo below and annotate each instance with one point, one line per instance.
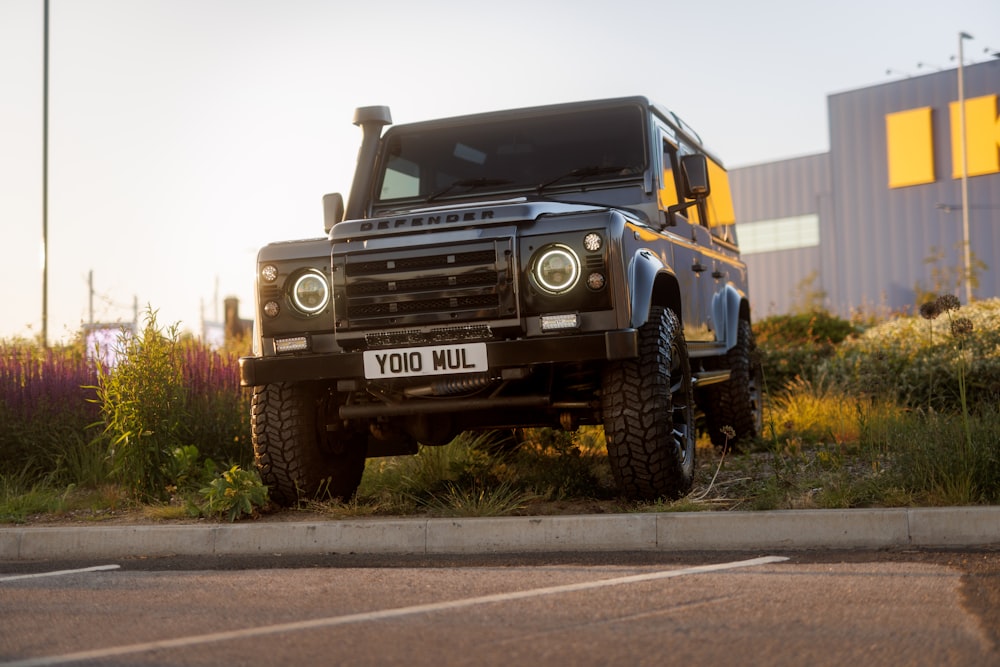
(688, 238)
(720, 253)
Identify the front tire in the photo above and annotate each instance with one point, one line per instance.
(296, 457)
(648, 413)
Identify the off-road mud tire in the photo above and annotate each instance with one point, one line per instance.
(648, 413)
(738, 402)
(297, 459)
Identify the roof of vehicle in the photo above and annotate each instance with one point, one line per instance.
(683, 129)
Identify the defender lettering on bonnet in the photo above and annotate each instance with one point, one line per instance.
(563, 266)
(426, 220)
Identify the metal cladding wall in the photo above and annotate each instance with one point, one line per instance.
(876, 240)
(776, 191)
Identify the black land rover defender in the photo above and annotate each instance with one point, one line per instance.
(555, 266)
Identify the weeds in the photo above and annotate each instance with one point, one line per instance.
(235, 493)
(477, 499)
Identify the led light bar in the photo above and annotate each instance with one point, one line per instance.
(559, 322)
(291, 344)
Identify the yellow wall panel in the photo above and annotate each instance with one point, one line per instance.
(982, 134)
(910, 147)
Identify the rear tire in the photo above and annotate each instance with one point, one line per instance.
(297, 459)
(738, 402)
(648, 413)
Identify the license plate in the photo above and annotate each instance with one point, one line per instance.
(433, 360)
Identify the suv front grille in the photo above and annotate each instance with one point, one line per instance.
(424, 285)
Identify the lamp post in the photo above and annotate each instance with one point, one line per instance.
(962, 36)
(45, 179)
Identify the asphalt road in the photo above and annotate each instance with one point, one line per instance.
(892, 607)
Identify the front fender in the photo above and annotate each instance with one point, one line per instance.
(646, 270)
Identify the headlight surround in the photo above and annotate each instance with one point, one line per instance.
(310, 292)
(556, 269)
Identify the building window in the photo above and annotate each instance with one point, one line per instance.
(801, 231)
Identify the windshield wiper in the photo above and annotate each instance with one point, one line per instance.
(581, 173)
(470, 183)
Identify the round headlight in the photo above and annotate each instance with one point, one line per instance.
(557, 269)
(310, 292)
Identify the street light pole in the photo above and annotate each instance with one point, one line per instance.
(962, 36)
(45, 179)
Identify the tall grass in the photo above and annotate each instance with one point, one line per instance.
(43, 406)
(66, 421)
(216, 408)
(931, 458)
(925, 391)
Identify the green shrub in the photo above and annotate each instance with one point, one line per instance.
(168, 402)
(235, 493)
(142, 402)
(479, 473)
(923, 362)
(793, 346)
(559, 464)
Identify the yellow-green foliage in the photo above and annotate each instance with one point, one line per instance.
(235, 493)
(793, 345)
(142, 402)
(918, 361)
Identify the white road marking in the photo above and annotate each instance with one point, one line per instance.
(246, 633)
(59, 573)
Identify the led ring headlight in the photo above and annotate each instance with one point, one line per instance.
(557, 269)
(310, 292)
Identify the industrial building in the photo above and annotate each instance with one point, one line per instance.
(878, 220)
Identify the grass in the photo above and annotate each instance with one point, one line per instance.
(821, 450)
(899, 416)
(893, 462)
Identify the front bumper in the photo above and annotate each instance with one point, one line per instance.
(609, 345)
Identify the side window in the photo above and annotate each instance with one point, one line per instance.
(721, 215)
(668, 188)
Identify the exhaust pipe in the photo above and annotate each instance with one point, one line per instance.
(371, 120)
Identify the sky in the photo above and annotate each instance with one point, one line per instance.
(185, 134)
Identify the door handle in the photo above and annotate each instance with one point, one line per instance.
(697, 267)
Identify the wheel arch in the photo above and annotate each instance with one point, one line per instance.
(729, 306)
(652, 283)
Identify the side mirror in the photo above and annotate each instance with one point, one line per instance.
(333, 210)
(694, 174)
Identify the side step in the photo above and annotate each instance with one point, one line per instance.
(705, 378)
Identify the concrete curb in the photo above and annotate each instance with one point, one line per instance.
(694, 531)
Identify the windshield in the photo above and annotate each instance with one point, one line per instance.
(537, 153)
